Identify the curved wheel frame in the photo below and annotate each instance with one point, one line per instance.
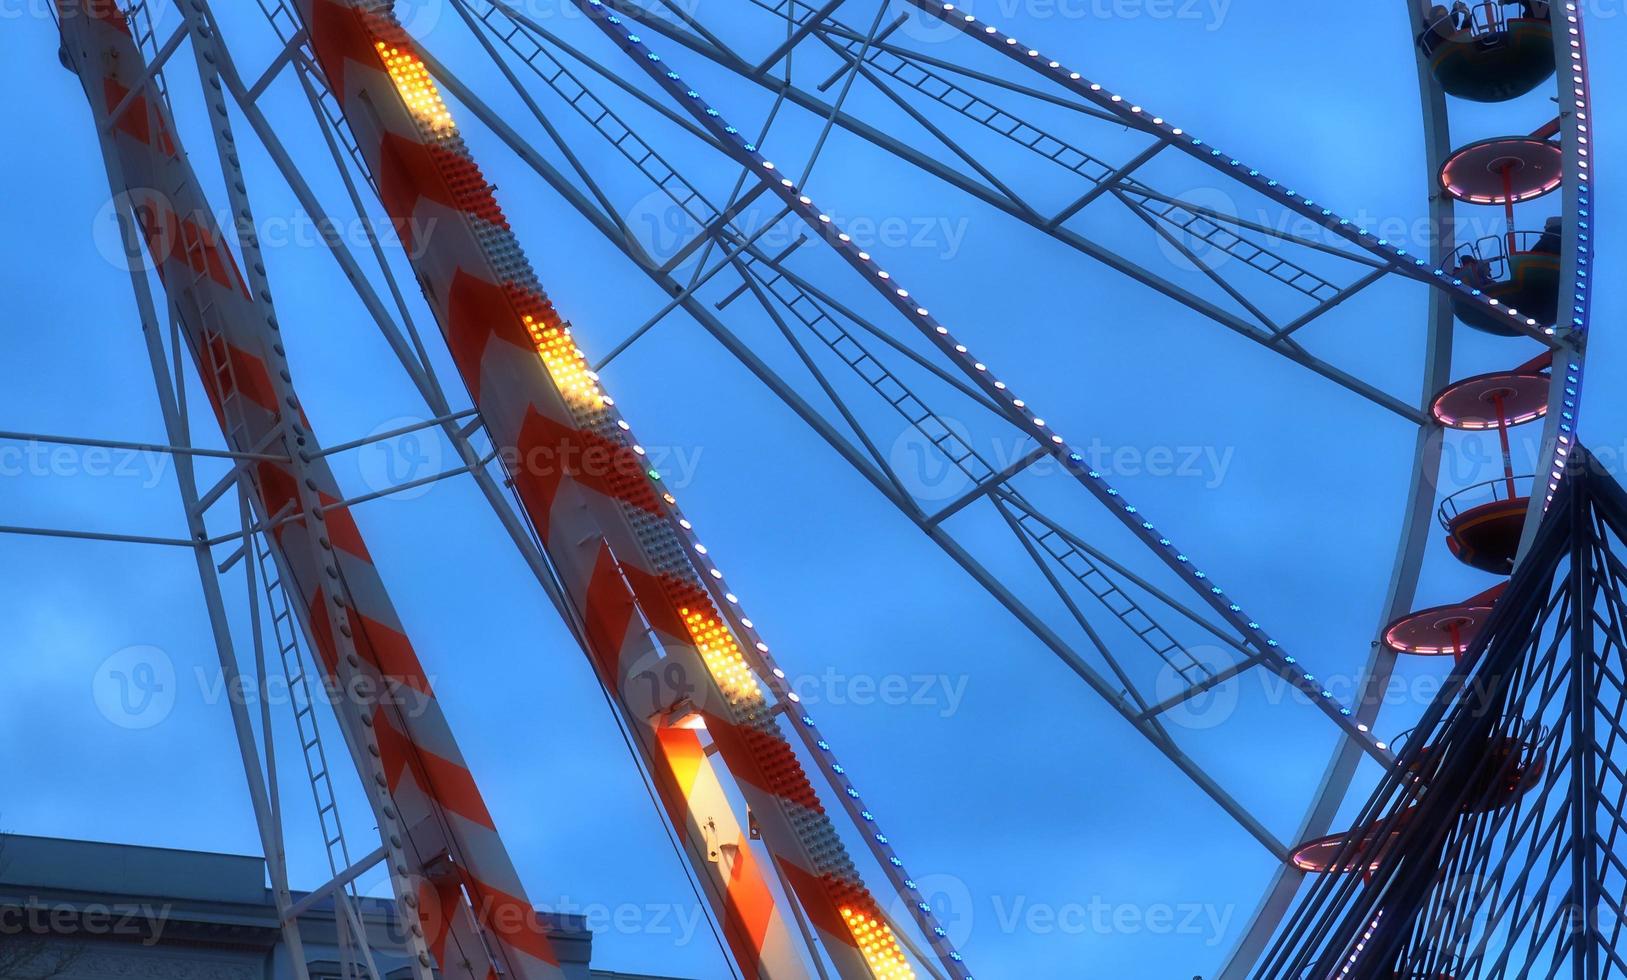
(1558, 425)
(1416, 526)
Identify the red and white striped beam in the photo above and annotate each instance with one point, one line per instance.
(652, 620)
(468, 912)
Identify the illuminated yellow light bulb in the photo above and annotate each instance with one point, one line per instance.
(417, 89)
(721, 654)
(566, 364)
(878, 945)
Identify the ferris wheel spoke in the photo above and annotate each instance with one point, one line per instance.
(919, 68)
(800, 30)
(1011, 197)
(1177, 218)
(1052, 147)
(1206, 268)
(1284, 235)
(862, 460)
(938, 335)
(883, 481)
(1234, 169)
(1113, 181)
(760, 294)
(1033, 526)
(1007, 200)
(675, 10)
(869, 448)
(1129, 688)
(826, 316)
(863, 456)
(924, 79)
(1329, 295)
(1286, 332)
(583, 173)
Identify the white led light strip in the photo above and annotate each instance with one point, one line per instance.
(1568, 359)
(900, 298)
(1414, 266)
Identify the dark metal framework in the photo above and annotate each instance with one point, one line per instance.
(855, 377)
(858, 378)
(1093, 610)
(1108, 612)
(1494, 848)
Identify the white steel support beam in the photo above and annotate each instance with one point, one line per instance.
(985, 577)
(267, 816)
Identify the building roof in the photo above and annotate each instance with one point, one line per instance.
(202, 897)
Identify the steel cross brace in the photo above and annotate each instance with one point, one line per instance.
(909, 306)
(742, 352)
(1004, 202)
(267, 815)
(1134, 115)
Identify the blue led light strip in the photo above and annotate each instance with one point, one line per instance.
(732, 142)
(1566, 397)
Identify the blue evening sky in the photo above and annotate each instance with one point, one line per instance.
(1058, 843)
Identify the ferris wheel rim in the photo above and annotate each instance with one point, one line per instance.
(1410, 552)
(1559, 415)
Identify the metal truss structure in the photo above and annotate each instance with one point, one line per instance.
(1492, 849)
(792, 863)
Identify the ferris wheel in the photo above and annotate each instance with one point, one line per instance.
(795, 868)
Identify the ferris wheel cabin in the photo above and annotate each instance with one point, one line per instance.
(1516, 270)
(1509, 767)
(1489, 52)
(1443, 630)
(1356, 851)
(1524, 277)
(1484, 521)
